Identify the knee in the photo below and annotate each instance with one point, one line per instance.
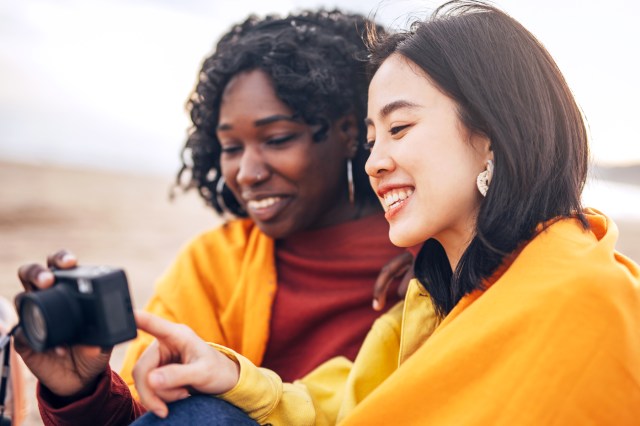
(199, 409)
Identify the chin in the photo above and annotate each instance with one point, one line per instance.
(403, 241)
(274, 230)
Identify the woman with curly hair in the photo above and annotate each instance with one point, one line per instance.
(277, 147)
(522, 311)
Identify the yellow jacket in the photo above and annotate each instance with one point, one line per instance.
(554, 340)
(217, 296)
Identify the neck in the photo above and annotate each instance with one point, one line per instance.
(455, 243)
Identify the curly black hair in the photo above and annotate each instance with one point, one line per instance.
(317, 62)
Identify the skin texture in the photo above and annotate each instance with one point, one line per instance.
(270, 157)
(419, 147)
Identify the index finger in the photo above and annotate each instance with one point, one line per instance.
(158, 327)
(35, 277)
(62, 259)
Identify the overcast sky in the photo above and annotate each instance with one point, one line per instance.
(102, 83)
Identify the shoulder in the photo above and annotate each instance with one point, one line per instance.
(219, 253)
(574, 272)
(229, 236)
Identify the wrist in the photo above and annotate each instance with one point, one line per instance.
(57, 399)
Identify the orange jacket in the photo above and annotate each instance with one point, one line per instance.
(217, 296)
(554, 340)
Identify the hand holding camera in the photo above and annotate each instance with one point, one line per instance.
(70, 319)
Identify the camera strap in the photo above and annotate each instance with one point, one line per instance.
(5, 346)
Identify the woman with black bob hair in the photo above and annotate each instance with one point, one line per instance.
(277, 148)
(522, 311)
(523, 105)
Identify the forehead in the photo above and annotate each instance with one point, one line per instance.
(399, 81)
(251, 92)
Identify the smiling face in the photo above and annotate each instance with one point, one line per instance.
(423, 163)
(285, 181)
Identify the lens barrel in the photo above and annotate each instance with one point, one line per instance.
(49, 317)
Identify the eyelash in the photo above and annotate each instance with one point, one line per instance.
(275, 141)
(230, 149)
(281, 140)
(397, 129)
(368, 145)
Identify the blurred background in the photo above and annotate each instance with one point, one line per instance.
(92, 119)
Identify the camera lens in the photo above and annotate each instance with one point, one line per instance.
(49, 317)
(33, 322)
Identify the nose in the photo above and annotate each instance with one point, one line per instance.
(379, 162)
(253, 167)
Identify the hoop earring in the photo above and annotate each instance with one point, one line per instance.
(220, 198)
(484, 179)
(351, 186)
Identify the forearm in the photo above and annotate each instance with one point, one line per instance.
(262, 395)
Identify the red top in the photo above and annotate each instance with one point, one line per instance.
(322, 309)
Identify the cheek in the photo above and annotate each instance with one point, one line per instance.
(229, 171)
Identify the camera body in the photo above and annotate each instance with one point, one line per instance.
(87, 305)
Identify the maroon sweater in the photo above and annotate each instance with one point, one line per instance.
(322, 309)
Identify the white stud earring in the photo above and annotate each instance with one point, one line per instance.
(484, 179)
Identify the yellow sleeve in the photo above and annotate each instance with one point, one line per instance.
(328, 393)
(314, 400)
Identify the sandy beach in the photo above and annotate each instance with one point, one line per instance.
(105, 218)
(113, 219)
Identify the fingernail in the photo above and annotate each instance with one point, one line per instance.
(68, 257)
(376, 305)
(160, 413)
(44, 277)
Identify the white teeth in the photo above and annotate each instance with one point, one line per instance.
(392, 198)
(262, 204)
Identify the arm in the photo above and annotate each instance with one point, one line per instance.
(314, 400)
(181, 363)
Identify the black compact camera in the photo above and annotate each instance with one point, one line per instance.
(87, 305)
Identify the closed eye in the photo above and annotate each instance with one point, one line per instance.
(397, 129)
(231, 149)
(281, 140)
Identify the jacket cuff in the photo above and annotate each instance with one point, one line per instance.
(258, 390)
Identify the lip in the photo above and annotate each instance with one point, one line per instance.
(269, 212)
(396, 208)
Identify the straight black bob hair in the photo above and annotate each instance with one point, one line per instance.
(508, 88)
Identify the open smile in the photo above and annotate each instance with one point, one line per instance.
(395, 198)
(267, 208)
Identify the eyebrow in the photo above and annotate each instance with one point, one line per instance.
(262, 121)
(391, 107)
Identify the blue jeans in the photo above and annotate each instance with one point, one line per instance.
(199, 410)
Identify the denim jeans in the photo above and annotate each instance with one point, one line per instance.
(199, 410)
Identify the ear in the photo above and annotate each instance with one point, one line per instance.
(347, 131)
(483, 145)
